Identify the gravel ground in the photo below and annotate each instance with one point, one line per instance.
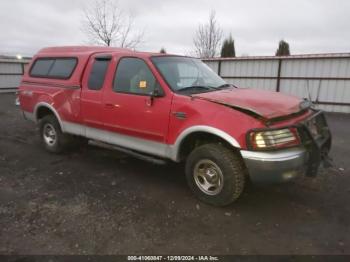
(95, 201)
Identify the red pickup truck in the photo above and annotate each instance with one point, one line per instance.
(165, 107)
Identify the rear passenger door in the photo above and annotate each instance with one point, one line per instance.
(93, 85)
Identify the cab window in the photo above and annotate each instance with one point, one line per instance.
(134, 76)
(98, 73)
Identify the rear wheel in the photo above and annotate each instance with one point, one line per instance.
(215, 174)
(51, 135)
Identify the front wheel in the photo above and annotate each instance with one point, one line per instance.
(215, 174)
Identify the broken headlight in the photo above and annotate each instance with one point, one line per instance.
(273, 139)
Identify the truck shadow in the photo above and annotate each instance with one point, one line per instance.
(106, 174)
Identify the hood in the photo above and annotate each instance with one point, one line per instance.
(265, 104)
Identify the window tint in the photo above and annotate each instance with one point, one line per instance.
(134, 76)
(41, 67)
(98, 73)
(62, 68)
(53, 67)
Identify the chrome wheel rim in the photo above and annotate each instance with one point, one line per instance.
(208, 177)
(49, 134)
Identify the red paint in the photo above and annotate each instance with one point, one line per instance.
(135, 115)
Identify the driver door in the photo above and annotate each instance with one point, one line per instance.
(129, 107)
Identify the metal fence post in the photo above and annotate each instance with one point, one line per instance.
(279, 75)
(22, 67)
(219, 68)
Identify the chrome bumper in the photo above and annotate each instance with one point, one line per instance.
(277, 166)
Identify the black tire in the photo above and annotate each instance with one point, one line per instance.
(60, 141)
(231, 170)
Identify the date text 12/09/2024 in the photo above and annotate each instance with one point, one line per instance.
(173, 258)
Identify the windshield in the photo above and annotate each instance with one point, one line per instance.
(188, 75)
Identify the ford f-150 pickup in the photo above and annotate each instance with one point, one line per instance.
(165, 107)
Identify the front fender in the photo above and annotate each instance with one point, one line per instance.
(175, 149)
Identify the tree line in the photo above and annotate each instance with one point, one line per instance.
(105, 23)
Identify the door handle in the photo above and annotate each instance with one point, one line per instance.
(111, 106)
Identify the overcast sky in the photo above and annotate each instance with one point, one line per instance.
(310, 26)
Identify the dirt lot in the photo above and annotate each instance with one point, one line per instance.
(94, 201)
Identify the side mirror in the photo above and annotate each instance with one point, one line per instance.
(157, 92)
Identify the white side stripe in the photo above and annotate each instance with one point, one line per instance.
(133, 143)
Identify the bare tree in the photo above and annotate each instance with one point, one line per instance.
(105, 23)
(207, 38)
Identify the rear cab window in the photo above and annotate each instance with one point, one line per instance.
(98, 72)
(56, 68)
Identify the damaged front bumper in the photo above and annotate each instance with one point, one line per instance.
(286, 164)
(275, 167)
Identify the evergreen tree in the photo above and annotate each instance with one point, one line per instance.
(283, 49)
(228, 48)
(162, 50)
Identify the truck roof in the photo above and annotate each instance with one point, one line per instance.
(87, 50)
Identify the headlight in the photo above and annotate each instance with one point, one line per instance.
(273, 139)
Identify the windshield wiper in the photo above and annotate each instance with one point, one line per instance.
(198, 87)
(226, 85)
